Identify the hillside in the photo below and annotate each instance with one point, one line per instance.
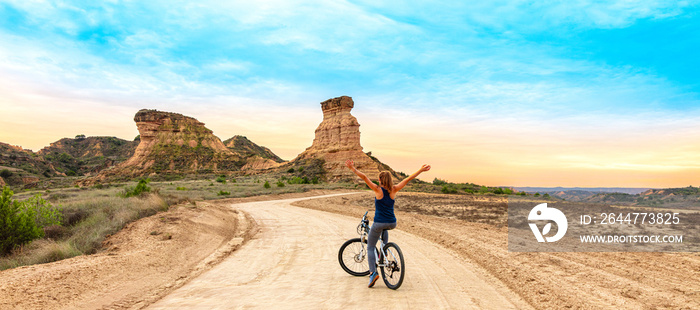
(86, 155)
(245, 147)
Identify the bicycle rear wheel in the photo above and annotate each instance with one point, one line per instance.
(353, 258)
(393, 271)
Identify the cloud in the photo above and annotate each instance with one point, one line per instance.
(505, 82)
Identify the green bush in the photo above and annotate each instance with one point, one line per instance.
(223, 193)
(181, 188)
(280, 184)
(546, 196)
(291, 170)
(18, 227)
(437, 181)
(298, 180)
(43, 213)
(537, 195)
(448, 189)
(301, 169)
(139, 190)
(5, 173)
(221, 179)
(267, 184)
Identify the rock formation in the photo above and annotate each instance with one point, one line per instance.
(2, 182)
(337, 140)
(173, 143)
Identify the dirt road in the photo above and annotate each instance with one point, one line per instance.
(292, 263)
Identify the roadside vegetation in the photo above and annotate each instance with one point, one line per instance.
(60, 223)
(439, 186)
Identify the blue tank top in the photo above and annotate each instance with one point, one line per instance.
(384, 208)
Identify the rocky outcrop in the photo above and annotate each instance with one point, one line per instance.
(172, 143)
(337, 139)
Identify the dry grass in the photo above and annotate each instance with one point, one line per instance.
(91, 214)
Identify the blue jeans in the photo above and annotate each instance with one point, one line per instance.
(374, 232)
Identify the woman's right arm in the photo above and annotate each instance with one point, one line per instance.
(350, 164)
(405, 181)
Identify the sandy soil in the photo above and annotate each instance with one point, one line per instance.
(269, 254)
(292, 264)
(544, 280)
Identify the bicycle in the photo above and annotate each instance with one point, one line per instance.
(352, 257)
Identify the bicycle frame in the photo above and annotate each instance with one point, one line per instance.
(363, 229)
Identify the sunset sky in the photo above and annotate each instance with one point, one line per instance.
(501, 93)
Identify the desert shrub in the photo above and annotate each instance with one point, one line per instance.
(140, 189)
(314, 180)
(221, 179)
(301, 169)
(223, 193)
(546, 196)
(181, 188)
(267, 184)
(42, 212)
(291, 170)
(537, 195)
(280, 184)
(437, 181)
(18, 228)
(233, 180)
(5, 173)
(446, 189)
(298, 180)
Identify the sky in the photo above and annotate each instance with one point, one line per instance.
(501, 93)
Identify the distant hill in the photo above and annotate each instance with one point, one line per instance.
(85, 155)
(684, 197)
(247, 148)
(626, 190)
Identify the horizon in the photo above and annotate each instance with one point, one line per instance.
(570, 94)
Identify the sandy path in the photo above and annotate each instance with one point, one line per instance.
(292, 263)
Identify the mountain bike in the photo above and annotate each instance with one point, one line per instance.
(352, 256)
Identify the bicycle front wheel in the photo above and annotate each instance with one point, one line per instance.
(352, 256)
(393, 271)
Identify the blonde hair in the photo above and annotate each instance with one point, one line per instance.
(386, 181)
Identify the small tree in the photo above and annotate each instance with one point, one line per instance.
(18, 228)
(537, 194)
(267, 184)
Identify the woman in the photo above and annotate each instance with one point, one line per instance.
(384, 219)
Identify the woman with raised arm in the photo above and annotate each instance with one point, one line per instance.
(384, 219)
